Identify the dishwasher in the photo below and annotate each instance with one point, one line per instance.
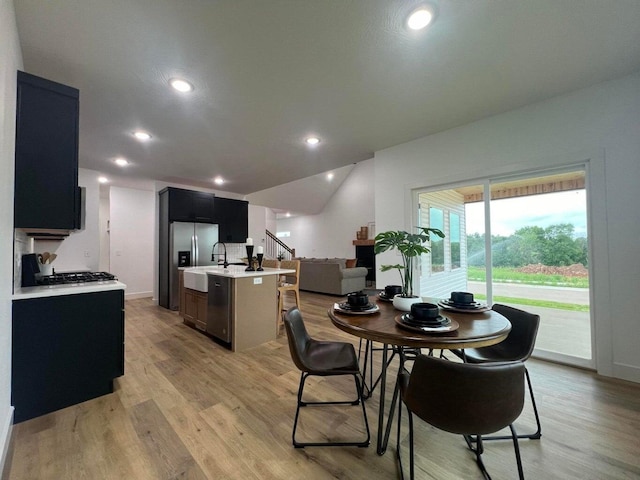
(219, 308)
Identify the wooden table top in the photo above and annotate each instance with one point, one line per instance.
(477, 329)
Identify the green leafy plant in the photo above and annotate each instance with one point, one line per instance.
(410, 246)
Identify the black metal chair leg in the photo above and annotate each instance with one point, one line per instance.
(516, 448)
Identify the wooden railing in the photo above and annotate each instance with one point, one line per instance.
(276, 248)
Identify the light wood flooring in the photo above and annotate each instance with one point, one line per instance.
(188, 408)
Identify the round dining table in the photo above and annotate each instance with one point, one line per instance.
(476, 328)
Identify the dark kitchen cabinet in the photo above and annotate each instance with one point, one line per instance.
(189, 206)
(233, 220)
(46, 161)
(65, 350)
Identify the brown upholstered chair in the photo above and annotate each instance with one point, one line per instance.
(322, 358)
(518, 346)
(461, 398)
(290, 284)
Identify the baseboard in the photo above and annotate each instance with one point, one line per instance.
(133, 296)
(630, 373)
(5, 437)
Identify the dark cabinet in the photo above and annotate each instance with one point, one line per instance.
(65, 350)
(46, 161)
(189, 206)
(233, 220)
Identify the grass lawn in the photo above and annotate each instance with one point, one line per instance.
(510, 275)
(536, 303)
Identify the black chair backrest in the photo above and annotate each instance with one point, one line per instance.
(522, 337)
(297, 337)
(465, 398)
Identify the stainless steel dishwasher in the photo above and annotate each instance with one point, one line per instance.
(219, 308)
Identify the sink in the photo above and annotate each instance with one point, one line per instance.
(196, 280)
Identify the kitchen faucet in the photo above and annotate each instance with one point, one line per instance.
(225, 264)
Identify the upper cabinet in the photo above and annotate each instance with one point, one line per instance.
(189, 206)
(46, 166)
(233, 220)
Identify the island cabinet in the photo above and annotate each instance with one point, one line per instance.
(46, 160)
(65, 349)
(195, 308)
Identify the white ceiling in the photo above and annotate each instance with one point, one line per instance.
(267, 73)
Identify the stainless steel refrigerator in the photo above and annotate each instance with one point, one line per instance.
(188, 245)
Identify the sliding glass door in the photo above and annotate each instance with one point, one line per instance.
(520, 241)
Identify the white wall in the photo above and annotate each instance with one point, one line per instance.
(132, 239)
(10, 62)
(81, 249)
(600, 125)
(331, 233)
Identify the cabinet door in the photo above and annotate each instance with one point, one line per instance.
(65, 350)
(203, 207)
(233, 219)
(46, 168)
(190, 306)
(180, 206)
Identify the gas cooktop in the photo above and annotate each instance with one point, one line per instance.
(75, 277)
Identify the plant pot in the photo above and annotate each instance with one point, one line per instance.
(404, 303)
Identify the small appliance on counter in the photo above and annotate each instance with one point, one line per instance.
(30, 268)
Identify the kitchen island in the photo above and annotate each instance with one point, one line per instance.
(235, 306)
(67, 345)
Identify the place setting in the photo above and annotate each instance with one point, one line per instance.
(389, 292)
(357, 304)
(462, 302)
(426, 318)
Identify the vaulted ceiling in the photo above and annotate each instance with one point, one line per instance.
(269, 73)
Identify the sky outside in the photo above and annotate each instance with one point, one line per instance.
(510, 214)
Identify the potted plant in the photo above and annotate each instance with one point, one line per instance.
(410, 246)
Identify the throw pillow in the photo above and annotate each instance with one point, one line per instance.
(351, 263)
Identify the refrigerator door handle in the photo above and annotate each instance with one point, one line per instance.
(194, 262)
(195, 244)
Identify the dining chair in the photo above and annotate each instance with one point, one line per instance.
(270, 263)
(290, 283)
(462, 398)
(322, 358)
(518, 346)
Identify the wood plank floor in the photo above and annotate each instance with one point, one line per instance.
(188, 408)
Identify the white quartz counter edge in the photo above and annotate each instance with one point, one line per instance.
(73, 289)
(238, 271)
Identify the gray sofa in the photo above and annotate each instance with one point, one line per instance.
(330, 275)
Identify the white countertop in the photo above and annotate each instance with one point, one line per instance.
(41, 291)
(238, 271)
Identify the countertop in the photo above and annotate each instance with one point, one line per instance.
(238, 271)
(41, 291)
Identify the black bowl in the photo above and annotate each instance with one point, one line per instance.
(424, 311)
(391, 291)
(358, 299)
(462, 298)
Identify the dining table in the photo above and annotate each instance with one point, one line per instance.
(474, 328)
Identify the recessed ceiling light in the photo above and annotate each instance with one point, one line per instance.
(420, 18)
(218, 180)
(103, 179)
(312, 140)
(181, 85)
(122, 162)
(140, 135)
(288, 214)
(330, 176)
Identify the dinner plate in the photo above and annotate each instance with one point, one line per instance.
(470, 308)
(383, 296)
(446, 329)
(346, 308)
(439, 321)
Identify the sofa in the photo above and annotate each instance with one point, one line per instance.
(331, 275)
